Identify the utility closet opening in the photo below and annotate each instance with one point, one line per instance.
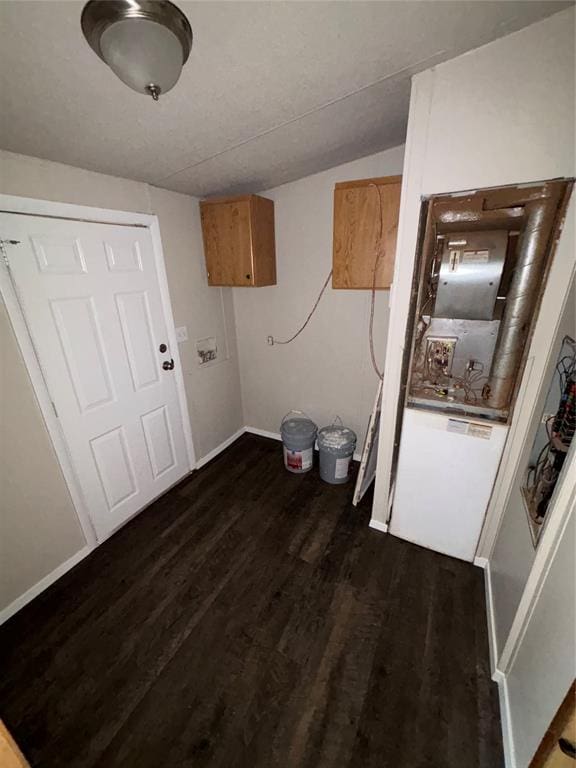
(480, 275)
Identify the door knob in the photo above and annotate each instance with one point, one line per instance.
(168, 365)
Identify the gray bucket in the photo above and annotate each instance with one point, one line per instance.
(298, 438)
(336, 444)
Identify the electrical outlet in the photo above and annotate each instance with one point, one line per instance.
(546, 417)
(270, 340)
(181, 334)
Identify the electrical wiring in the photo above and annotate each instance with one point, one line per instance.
(471, 379)
(542, 475)
(379, 373)
(533, 471)
(371, 331)
(299, 331)
(421, 365)
(565, 369)
(379, 255)
(468, 390)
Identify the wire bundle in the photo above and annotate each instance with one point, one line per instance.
(542, 476)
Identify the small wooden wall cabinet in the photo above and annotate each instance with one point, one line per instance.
(357, 206)
(239, 244)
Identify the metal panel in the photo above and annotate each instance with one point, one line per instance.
(476, 341)
(457, 408)
(446, 470)
(470, 273)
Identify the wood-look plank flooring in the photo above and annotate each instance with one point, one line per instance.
(251, 619)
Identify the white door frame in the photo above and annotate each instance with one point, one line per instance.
(44, 208)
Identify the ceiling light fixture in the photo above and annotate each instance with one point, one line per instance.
(145, 42)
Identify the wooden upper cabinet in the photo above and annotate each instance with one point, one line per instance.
(239, 244)
(357, 222)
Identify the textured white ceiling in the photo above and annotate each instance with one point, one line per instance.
(272, 91)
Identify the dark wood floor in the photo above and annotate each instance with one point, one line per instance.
(250, 618)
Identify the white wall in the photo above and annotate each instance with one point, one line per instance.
(513, 554)
(212, 390)
(39, 536)
(502, 114)
(326, 371)
(545, 665)
(39, 528)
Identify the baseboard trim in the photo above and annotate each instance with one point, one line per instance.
(378, 526)
(64, 567)
(491, 620)
(43, 584)
(277, 436)
(219, 448)
(497, 675)
(263, 433)
(506, 723)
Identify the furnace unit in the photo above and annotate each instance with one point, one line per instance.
(481, 270)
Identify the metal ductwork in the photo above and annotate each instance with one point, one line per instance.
(522, 299)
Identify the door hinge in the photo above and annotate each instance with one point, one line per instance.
(54, 409)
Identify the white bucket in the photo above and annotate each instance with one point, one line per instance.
(298, 438)
(336, 445)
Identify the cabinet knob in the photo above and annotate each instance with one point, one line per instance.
(247, 277)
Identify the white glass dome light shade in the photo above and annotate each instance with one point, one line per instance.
(143, 54)
(145, 42)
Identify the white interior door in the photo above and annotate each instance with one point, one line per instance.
(91, 299)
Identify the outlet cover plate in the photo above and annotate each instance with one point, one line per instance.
(181, 334)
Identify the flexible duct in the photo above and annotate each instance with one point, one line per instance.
(521, 300)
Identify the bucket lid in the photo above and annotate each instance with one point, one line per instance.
(299, 428)
(336, 437)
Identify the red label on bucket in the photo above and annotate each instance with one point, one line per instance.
(294, 459)
(298, 461)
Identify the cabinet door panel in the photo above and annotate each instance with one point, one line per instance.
(263, 241)
(227, 243)
(357, 232)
